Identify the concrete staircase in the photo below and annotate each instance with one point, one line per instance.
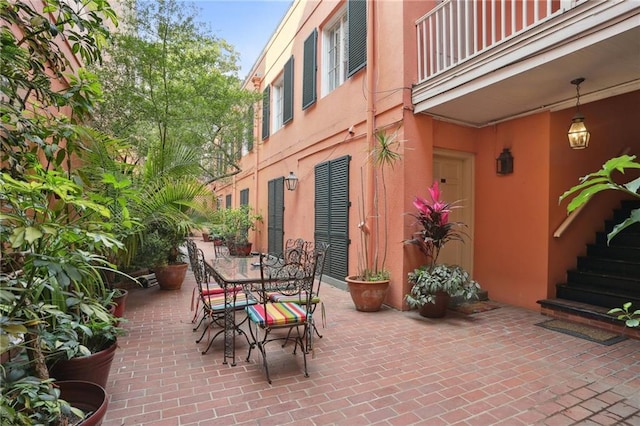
(607, 277)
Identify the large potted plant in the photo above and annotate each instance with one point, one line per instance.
(433, 284)
(51, 219)
(160, 251)
(235, 226)
(55, 294)
(81, 343)
(369, 285)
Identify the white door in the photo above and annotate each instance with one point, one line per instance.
(454, 172)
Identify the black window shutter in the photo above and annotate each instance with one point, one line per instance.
(287, 113)
(265, 112)
(244, 197)
(309, 70)
(250, 128)
(332, 213)
(357, 42)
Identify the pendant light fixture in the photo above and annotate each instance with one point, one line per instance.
(578, 134)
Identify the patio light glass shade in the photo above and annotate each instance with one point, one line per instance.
(578, 134)
(291, 182)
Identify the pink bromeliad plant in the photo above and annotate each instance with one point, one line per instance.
(436, 230)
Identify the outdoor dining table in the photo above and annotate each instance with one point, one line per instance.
(231, 272)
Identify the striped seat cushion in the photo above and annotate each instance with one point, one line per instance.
(302, 298)
(218, 290)
(276, 314)
(216, 302)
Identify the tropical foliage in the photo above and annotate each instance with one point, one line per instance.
(235, 224)
(54, 229)
(603, 180)
(172, 93)
(75, 203)
(429, 280)
(435, 229)
(631, 317)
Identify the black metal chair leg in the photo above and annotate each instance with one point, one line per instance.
(203, 333)
(204, 317)
(264, 360)
(211, 342)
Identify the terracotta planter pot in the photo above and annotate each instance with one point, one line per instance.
(170, 277)
(243, 250)
(88, 397)
(93, 368)
(120, 302)
(367, 296)
(437, 309)
(205, 237)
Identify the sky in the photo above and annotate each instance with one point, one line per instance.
(246, 24)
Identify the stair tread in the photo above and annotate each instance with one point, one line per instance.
(604, 275)
(610, 291)
(582, 308)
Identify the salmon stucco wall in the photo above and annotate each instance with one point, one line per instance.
(511, 220)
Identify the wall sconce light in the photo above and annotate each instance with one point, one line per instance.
(291, 182)
(504, 162)
(578, 134)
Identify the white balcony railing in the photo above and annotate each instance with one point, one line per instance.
(457, 30)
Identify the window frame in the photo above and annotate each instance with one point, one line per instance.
(277, 103)
(339, 24)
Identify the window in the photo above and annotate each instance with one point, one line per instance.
(227, 201)
(335, 44)
(278, 103)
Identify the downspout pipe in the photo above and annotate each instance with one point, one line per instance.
(371, 115)
(257, 81)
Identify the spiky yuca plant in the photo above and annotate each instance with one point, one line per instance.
(374, 239)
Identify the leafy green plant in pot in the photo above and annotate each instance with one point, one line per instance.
(434, 284)
(58, 286)
(235, 227)
(160, 252)
(169, 210)
(369, 285)
(48, 218)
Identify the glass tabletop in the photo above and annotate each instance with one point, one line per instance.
(236, 270)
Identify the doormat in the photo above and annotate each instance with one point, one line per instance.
(469, 308)
(583, 331)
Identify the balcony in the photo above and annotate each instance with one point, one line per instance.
(482, 62)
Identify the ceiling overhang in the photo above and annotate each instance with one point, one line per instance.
(533, 72)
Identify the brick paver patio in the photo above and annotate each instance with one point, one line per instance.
(388, 368)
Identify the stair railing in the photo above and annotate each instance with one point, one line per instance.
(568, 221)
